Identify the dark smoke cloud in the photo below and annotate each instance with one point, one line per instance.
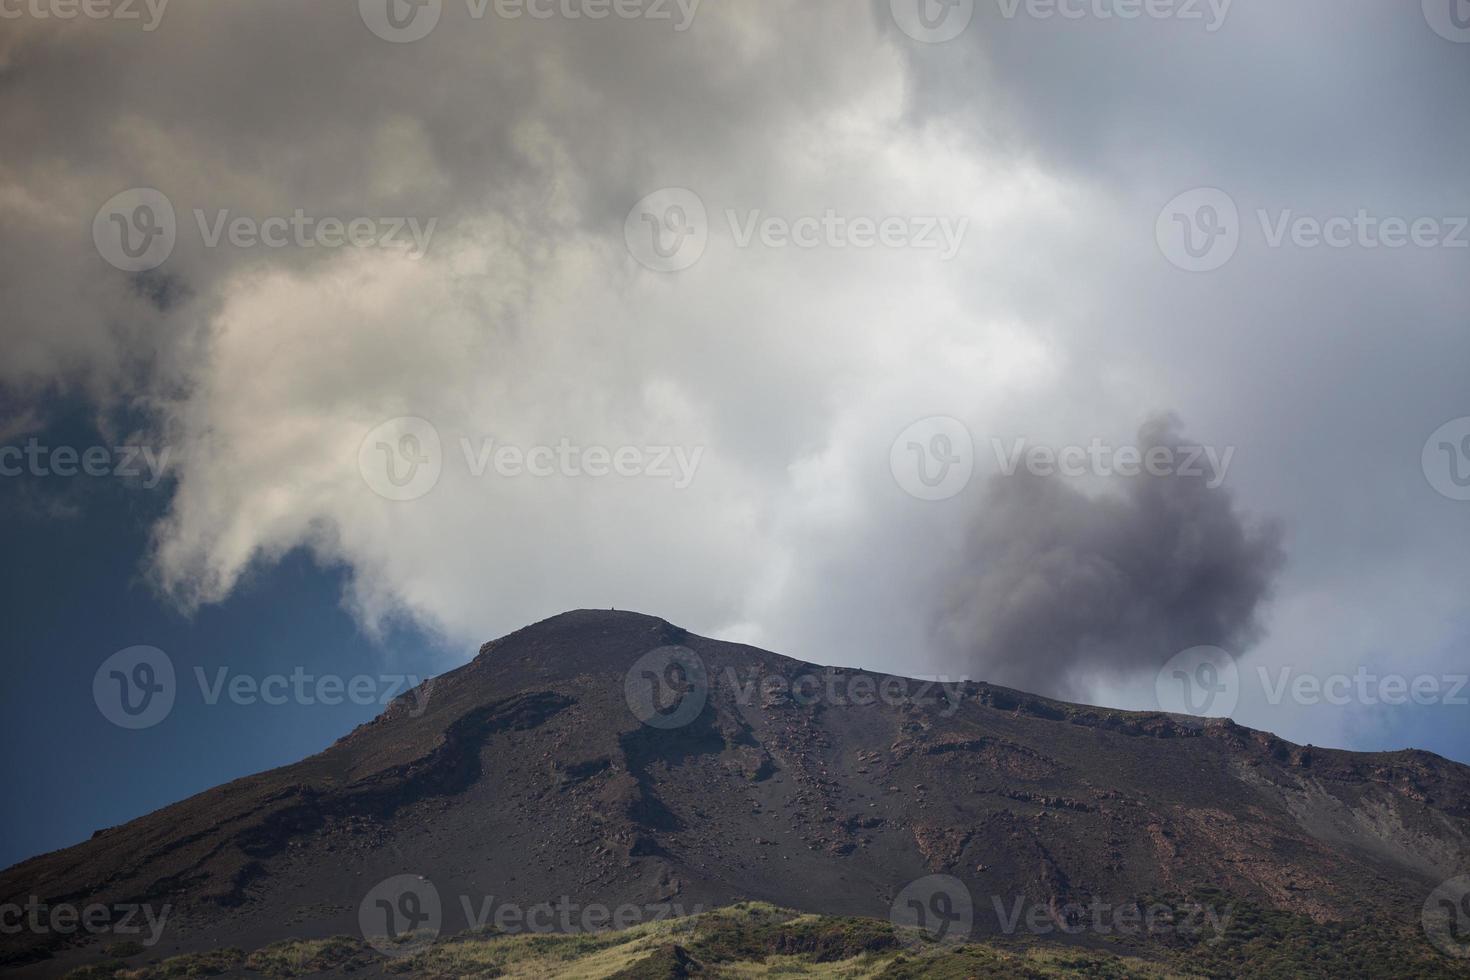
(1055, 588)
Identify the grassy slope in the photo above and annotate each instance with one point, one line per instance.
(757, 940)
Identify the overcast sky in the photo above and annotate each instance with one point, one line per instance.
(1026, 225)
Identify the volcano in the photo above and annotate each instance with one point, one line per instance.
(613, 758)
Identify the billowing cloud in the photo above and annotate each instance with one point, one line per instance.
(786, 355)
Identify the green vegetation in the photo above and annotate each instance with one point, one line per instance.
(756, 940)
(751, 931)
(210, 964)
(124, 949)
(105, 970)
(300, 958)
(1267, 943)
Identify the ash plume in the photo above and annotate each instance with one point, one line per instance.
(1054, 588)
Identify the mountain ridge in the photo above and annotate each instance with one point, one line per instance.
(529, 774)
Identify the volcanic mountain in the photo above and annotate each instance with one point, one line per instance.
(536, 773)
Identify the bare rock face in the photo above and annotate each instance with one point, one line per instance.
(529, 778)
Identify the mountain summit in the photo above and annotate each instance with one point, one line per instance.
(613, 758)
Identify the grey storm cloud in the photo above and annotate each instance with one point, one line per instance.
(528, 321)
(1054, 588)
(1285, 94)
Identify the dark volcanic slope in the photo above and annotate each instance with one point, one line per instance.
(529, 778)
